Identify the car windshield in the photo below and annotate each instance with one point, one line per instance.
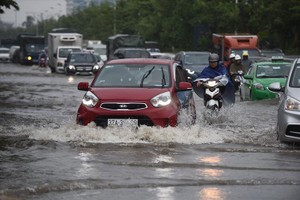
(295, 78)
(134, 75)
(82, 58)
(194, 59)
(4, 50)
(273, 71)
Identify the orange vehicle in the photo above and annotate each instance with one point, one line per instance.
(225, 44)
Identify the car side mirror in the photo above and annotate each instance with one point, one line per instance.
(83, 86)
(276, 87)
(183, 86)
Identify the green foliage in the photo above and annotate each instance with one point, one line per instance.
(187, 25)
(8, 4)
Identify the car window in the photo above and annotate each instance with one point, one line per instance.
(133, 75)
(295, 77)
(195, 59)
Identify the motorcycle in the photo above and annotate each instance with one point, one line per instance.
(213, 89)
(238, 79)
(43, 63)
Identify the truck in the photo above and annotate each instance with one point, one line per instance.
(30, 48)
(59, 46)
(225, 44)
(123, 41)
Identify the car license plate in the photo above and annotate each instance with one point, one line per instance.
(122, 122)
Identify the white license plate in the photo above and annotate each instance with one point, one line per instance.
(122, 122)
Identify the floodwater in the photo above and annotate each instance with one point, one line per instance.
(44, 155)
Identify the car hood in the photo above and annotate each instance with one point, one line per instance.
(294, 93)
(82, 63)
(127, 94)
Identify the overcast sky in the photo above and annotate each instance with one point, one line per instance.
(37, 8)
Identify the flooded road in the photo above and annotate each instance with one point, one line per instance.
(44, 155)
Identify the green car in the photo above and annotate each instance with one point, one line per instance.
(261, 75)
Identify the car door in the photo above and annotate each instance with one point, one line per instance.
(248, 83)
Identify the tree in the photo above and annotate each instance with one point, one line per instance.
(8, 4)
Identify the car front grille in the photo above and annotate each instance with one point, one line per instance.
(83, 68)
(123, 106)
(142, 120)
(293, 131)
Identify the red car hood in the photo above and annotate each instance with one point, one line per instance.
(127, 94)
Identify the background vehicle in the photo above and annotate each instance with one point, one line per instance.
(225, 44)
(30, 48)
(81, 62)
(59, 46)
(260, 75)
(123, 41)
(195, 61)
(98, 48)
(114, 97)
(288, 117)
(131, 53)
(4, 54)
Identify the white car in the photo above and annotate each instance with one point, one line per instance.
(288, 119)
(4, 54)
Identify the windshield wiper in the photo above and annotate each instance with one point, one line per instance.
(163, 80)
(146, 75)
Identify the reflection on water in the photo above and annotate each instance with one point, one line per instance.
(211, 193)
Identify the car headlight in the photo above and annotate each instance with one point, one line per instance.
(90, 99)
(258, 86)
(72, 67)
(161, 100)
(291, 104)
(96, 67)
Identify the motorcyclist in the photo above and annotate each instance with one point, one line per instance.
(235, 68)
(214, 69)
(230, 61)
(43, 55)
(246, 61)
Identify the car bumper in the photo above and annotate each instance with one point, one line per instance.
(262, 94)
(289, 126)
(150, 116)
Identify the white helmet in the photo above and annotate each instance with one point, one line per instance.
(232, 56)
(238, 57)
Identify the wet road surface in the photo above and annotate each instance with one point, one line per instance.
(45, 155)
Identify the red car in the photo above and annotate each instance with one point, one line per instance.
(137, 91)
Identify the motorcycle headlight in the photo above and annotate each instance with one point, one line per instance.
(212, 83)
(258, 86)
(161, 100)
(291, 104)
(90, 99)
(29, 58)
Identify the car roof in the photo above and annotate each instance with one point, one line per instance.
(194, 52)
(140, 60)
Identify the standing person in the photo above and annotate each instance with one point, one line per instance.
(235, 67)
(246, 62)
(215, 69)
